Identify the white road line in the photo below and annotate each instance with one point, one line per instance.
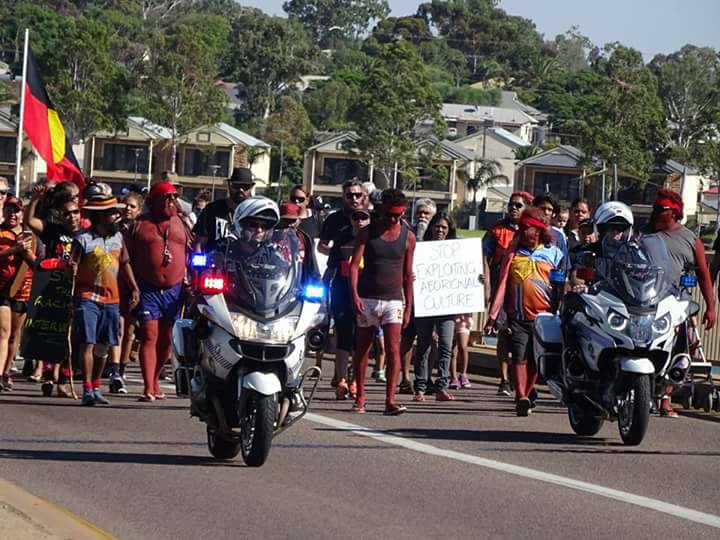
(525, 472)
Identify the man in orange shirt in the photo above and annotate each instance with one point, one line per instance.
(99, 256)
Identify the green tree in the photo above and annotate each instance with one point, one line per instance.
(350, 18)
(327, 104)
(571, 50)
(266, 56)
(396, 97)
(627, 124)
(181, 73)
(689, 86)
(487, 174)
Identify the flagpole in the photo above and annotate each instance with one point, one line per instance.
(18, 152)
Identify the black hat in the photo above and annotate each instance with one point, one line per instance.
(242, 176)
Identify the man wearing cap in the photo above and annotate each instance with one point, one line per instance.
(214, 223)
(158, 249)
(16, 258)
(99, 256)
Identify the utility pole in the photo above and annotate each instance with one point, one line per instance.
(615, 182)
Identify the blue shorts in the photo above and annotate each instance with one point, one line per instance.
(97, 323)
(156, 304)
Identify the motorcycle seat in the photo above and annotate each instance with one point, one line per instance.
(548, 332)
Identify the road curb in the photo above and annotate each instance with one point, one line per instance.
(49, 516)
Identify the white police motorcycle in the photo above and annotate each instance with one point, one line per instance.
(239, 359)
(613, 350)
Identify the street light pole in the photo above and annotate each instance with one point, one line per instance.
(137, 159)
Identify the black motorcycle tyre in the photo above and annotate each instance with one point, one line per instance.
(220, 447)
(583, 422)
(256, 428)
(639, 418)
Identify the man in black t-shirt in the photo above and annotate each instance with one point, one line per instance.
(215, 220)
(354, 198)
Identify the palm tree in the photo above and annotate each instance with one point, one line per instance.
(525, 152)
(487, 173)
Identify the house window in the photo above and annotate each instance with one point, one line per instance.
(123, 157)
(7, 149)
(564, 187)
(202, 163)
(337, 171)
(203, 136)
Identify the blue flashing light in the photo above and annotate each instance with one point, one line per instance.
(199, 260)
(557, 276)
(688, 281)
(314, 292)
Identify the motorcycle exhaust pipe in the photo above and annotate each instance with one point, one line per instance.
(316, 340)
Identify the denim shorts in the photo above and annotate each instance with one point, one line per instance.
(97, 323)
(156, 304)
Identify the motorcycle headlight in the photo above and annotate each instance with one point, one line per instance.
(641, 329)
(280, 331)
(662, 325)
(617, 322)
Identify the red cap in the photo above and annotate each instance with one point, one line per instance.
(289, 210)
(159, 190)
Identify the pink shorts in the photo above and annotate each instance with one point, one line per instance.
(463, 323)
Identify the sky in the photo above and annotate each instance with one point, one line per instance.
(651, 26)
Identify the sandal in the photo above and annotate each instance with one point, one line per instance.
(358, 408)
(444, 395)
(394, 410)
(342, 391)
(419, 396)
(405, 387)
(146, 398)
(666, 409)
(160, 396)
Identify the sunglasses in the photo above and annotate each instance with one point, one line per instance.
(394, 216)
(3, 191)
(659, 208)
(69, 213)
(170, 197)
(252, 224)
(297, 200)
(13, 209)
(516, 205)
(360, 217)
(353, 195)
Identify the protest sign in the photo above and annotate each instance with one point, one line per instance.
(49, 315)
(447, 277)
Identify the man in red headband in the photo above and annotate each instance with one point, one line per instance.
(495, 244)
(158, 247)
(382, 294)
(524, 291)
(685, 250)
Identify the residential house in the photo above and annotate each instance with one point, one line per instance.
(329, 164)
(133, 156)
(205, 156)
(33, 167)
(567, 173)
(499, 145)
(463, 120)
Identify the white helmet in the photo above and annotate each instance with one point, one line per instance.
(257, 207)
(613, 212)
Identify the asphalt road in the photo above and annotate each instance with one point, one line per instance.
(468, 468)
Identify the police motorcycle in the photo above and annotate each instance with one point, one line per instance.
(259, 301)
(612, 352)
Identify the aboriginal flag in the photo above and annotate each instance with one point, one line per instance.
(45, 130)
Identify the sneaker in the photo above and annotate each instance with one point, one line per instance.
(7, 383)
(122, 389)
(117, 385)
(523, 407)
(504, 389)
(454, 383)
(380, 376)
(99, 398)
(88, 398)
(394, 410)
(464, 381)
(374, 374)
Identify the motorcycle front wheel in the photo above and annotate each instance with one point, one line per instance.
(220, 447)
(583, 421)
(256, 428)
(634, 408)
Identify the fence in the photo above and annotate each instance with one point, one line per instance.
(710, 339)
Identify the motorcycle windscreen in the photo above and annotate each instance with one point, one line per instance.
(639, 271)
(264, 272)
